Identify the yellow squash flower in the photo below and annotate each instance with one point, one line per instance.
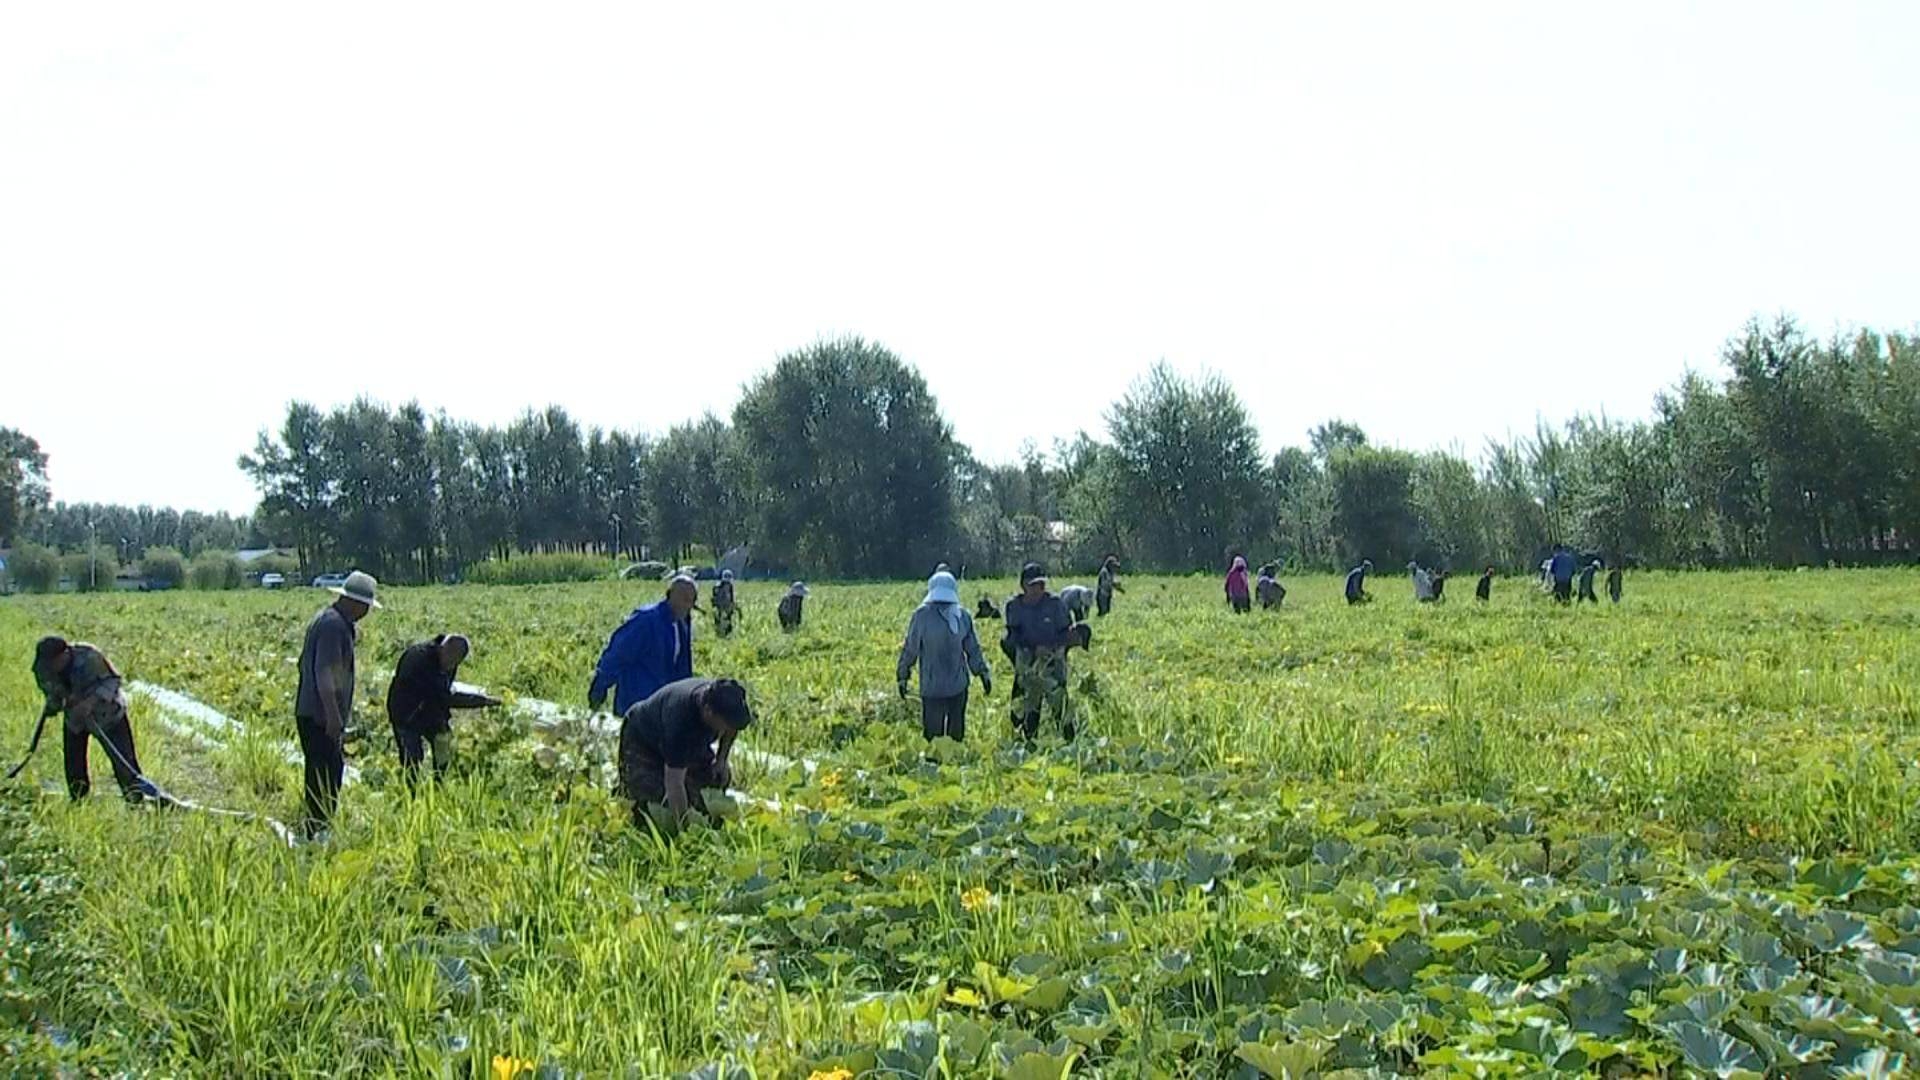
(965, 998)
(831, 1074)
(506, 1067)
(976, 898)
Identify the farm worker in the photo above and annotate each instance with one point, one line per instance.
(323, 704)
(723, 604)
(1613, 584)
(1357, 583)
(793, 605)
(1239, 595)
(1079, 601)
(1586, 581)
(78, 680)
(1106, 585)
(1422, 583)
(941, 640)
(652, 648)
(1039, 632)
(1439, 586)
(1484, 591)
(678, 743)
(1560, 568)
(1268, 589)
(421, 699)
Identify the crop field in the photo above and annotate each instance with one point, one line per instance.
(1680, 836)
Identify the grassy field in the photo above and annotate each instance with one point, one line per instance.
(1676, 836)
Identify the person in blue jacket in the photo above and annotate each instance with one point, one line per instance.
(1561, 569)
(652, 648)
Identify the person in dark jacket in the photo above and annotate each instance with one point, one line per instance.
(1614, 584)
(1268, 590)
(793, 606)
(1039, 633)
(323, 703)
(1586, 582)
(421, 699)
(1357, 583)
(1560, 570)
(78, 680)
(678, 744)
(1484, 591)
(651, 648)
(1439, 586)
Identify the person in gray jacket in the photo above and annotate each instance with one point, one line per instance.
(941, 640)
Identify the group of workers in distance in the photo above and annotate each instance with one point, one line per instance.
(677, 730)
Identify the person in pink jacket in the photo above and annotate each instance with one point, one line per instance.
(1238, 594)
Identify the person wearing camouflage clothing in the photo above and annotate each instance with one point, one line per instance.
(78, 680)
(1039, 632)
(724, 610)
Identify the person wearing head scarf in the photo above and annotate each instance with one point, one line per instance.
(941, 642)
(792, 606)
(1239, 593)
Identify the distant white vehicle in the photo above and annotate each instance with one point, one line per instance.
(329, 581)
(273, 581)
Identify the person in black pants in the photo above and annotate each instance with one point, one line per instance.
(421, 699)
(1586, 582)
(324, 701)
(1484, 591)
(78, 680)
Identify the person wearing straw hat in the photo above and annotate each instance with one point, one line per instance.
(940, 639)
(792, 606)
(323, 704)
(651, 648)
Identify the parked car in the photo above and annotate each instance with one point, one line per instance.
(329, 581)
(273, 581)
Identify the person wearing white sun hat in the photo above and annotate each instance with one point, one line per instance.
(324, 701)
(941, 641)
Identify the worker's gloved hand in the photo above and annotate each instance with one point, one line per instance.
(903, 689)
(594, 701)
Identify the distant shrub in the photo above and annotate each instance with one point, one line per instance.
(34, 568)
(645, 571)
(285, 565)
(212, 570)
(541, 569)
(163, 566)
(90, 575)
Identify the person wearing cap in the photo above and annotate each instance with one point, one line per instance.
(1039, 632)
(421, 699)
(1106, 585)
(1267, 588)
(723, 604)
(1079, 601)
(1586, 581)
(678, 743)
(1357, 583)
(652, 647)
(1483, 592)
(77, 679)
(941, 640)
(792, 605)
(323, 704)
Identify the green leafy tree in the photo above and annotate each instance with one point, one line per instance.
(852, 461)
(163, 566)
(1189, 468)
(1373, 511)
(23, 481)
(34, 568)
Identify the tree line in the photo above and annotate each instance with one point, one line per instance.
(837, 462)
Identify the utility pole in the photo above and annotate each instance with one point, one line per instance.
(93, 558)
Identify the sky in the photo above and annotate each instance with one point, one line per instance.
(1441, 222)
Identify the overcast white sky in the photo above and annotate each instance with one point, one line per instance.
(1438, 221)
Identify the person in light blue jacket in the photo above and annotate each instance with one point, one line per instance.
(652, 648)
(941, 640)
